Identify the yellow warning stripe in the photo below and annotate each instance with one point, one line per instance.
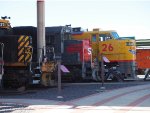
(21, 51)
(22, 56)
(27, 43)
(27, 37)
(23, 41)
(27, 57)
(20, 38)
(20, 45)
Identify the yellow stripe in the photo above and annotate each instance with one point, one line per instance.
(27, 43)
(21, 58)
(27, 37)
(21, 51)
(21, 37)
(27, 57)
(20, 45)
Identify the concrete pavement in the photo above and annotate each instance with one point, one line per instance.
(135, 99)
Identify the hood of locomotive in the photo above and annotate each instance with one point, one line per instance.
(118, 50)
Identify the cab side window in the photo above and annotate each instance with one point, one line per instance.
(2, 24)
(104, 37)
(93, 38)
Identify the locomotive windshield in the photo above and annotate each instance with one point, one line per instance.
(104, 37)
(107, 36)
(2, 24)
(115, 35)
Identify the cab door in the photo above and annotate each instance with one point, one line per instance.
(95, 45)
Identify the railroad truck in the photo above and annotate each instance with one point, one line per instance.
(118, 53)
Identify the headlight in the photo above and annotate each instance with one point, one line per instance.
(130, 44)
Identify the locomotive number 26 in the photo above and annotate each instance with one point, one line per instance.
(107, 47)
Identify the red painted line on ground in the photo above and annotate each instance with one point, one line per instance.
(140, 100)
(71, 101)
(78, 99)
(117, 96)
(134, 104)
(79, 110)
(109, 99)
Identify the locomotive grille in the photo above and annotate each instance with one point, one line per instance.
(24, 49)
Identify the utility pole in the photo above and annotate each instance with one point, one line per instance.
(40, 27)
(102, 73)
(59, 96)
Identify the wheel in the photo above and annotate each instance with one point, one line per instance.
(116, 76)
(77, 75)
(109, 76)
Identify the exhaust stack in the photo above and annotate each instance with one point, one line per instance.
(40, 27)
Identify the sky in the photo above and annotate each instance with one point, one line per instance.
(127, 17)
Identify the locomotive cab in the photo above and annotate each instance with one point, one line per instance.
(5, 27)
(5, 24)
